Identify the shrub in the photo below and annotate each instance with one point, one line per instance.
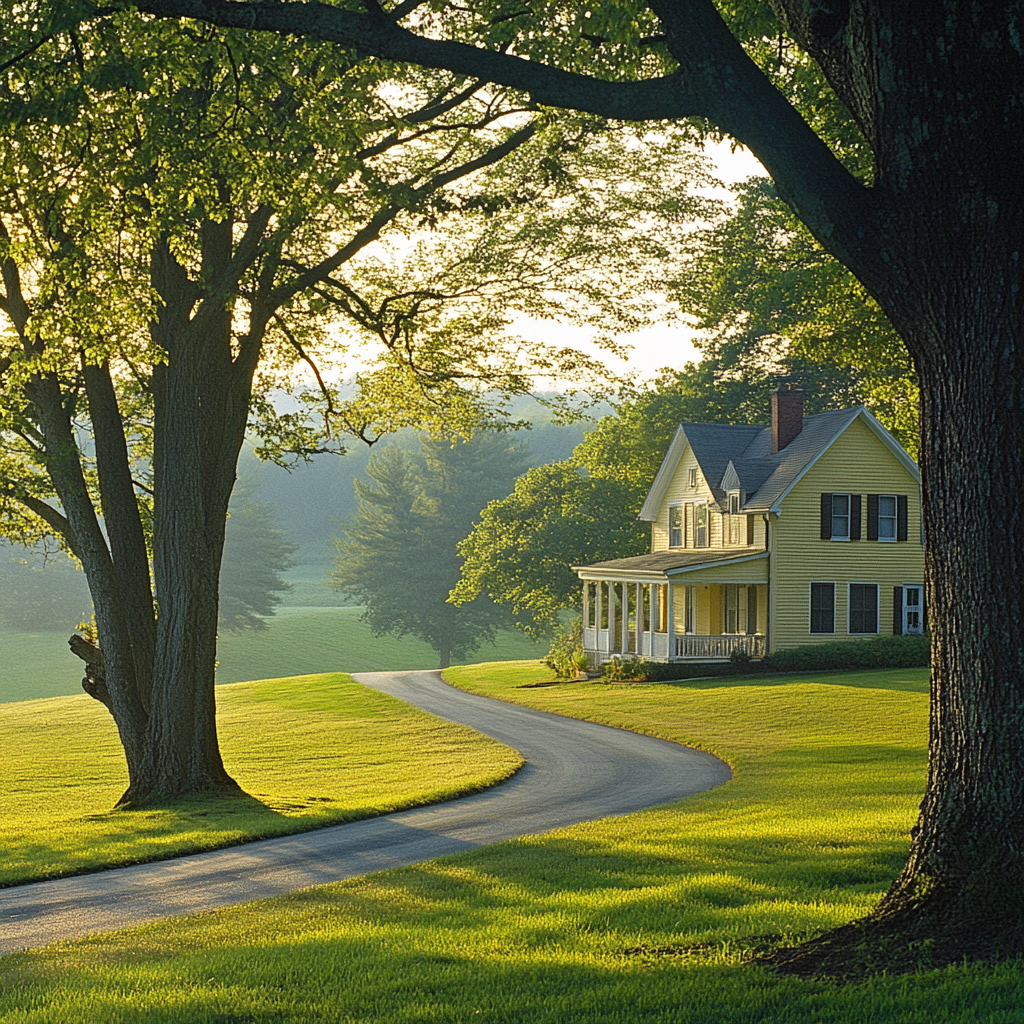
(879, 652)
(621, 670)
(565, 656)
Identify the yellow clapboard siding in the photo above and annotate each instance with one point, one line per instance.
(857, 463)
(679, 490)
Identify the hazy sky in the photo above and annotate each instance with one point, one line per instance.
(662, 345)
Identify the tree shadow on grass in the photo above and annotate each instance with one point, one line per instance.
(444, 942)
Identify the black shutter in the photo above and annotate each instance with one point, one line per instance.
(854, 517)
(751, 610)
(901, 517)
(872, 517)
(750, 531)
(897, 611)
(826, 517)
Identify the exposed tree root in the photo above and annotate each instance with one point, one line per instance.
(925, 935)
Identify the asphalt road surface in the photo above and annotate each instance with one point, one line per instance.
(575, 771)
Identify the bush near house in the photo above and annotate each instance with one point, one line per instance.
(880, 652)
(566, 657)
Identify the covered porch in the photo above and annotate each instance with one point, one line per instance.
(704, 609)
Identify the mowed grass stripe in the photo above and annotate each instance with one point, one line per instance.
(310, 751)
(634, 920)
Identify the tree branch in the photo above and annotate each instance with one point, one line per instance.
(716, 80)
(49, 515)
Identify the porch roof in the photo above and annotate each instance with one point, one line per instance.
(664, 564)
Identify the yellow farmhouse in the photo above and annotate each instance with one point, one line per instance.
(764, 538)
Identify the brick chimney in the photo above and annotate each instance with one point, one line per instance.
(787, 415)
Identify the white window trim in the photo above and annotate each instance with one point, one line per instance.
(916, 586)
(895, 520)
(707, 524)
(692, 479)
(849, 515)
(810, 608)
(682, 523)
(878, 601)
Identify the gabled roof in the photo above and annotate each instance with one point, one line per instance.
(741, 456)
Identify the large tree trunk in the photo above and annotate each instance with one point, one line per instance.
(199, 422)
(965, 873)
(86, 539)
(961, 893)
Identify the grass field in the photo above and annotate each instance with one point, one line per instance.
(311, 751)
(639, 919)
(297, 641)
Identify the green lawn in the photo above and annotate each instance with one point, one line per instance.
(37, 665)
(297, 641)
(310, 751)
(637, 919)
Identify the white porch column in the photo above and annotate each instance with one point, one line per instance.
(671, 622)
(586, 604)
(599, 587)
(625, 618)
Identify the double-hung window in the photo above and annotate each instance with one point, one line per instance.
(863, 608)
(675, 526)
(823, 607)
(887, 517)
(700, 526)
(840, 516)
(737, 523)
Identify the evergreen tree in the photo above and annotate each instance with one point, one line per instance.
(256, 552)
(398, 555)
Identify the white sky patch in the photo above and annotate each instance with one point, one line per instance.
(668, 345)
(660, 346)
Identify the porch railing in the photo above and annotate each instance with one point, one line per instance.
(656, 646)
(694, 646)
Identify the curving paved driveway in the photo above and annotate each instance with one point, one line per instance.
(575, 771)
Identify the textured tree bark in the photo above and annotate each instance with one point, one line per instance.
(65, 470)
(965, 873)
(200, 408)
(126, 538)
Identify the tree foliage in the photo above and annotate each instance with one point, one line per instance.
(765, 296)
(584, 509)
(256, 553)
(398, 555)
(191, 217)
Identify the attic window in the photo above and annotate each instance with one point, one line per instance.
(700, 528)
(735, 522)
(692, 476)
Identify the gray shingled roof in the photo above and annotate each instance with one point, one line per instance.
(764, 475)
(666, 561)
(774, 473)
